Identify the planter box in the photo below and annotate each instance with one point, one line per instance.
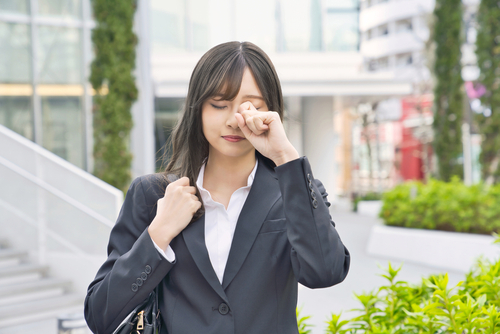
(443, 250)
(369, 208)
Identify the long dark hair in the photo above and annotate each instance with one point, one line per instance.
(219, 71)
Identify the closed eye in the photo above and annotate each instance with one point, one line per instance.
(217, 107)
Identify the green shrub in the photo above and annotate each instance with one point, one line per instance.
(302, 324)
(448, 206)
(472, 306)
(431, 307)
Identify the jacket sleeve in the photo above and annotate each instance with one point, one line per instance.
(319, 258)
(133, 268)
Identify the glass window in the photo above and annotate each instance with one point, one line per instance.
(59, 55)
(166, 115)
(403, 60)
(383, 30)
(15, 114)
(63, 132)
(342, 4)
(382, 63)
(167, 25)
(179, 25)
(60, 8)
(256, 22)
(403, 25)
(341, 31)
(198, 18)
(296, 22)
(15, 57)
(14, 6)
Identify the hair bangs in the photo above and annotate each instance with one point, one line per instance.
(229, 79)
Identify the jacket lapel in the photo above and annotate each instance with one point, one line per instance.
(263, 194)
(194, 237)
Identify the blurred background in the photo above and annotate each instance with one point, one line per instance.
(360, 80)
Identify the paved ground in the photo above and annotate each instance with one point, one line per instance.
(354, 230)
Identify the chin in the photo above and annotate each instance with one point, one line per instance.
(233, 152)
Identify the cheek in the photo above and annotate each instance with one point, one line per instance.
(209, 122)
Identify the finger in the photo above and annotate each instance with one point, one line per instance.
(190, 190)
(252, 126)
(259, 124)
(248, 113)
(242, 125)
(195, 198)
(247, 106)
(183, 181)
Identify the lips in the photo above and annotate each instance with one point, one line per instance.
(233, 139)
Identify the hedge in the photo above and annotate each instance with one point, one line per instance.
(447, 206)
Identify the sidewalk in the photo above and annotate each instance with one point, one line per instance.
(363, 276)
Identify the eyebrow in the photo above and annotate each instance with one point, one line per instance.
(246, 96)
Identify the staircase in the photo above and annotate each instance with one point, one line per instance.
(28, 294)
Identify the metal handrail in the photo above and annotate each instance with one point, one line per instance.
(56, 192)
(53, 235)
(51, 157)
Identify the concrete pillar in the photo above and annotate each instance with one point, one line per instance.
(319, 139)
(142, 134)
(293, 122)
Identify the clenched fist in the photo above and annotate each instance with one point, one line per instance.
(174, 211)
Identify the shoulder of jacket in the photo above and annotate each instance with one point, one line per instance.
(151, 184)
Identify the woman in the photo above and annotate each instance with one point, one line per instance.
(228, 241)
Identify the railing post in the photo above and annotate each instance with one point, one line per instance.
(41, 214)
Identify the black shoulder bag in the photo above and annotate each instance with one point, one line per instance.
(144, 319)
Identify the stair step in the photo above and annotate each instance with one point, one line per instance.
(11, 257)
(11, 315)
(14, 289)
(21, 273)
(44, 288)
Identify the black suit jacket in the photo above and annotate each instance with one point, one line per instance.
(284, 235)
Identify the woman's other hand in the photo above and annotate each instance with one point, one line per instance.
(265, 132)
(174, 211)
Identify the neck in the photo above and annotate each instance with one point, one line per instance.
(228, 172)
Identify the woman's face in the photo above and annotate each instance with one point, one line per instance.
(220, 126)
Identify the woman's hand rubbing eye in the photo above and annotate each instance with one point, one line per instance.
(266, 133)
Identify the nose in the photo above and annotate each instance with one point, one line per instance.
(231, 121)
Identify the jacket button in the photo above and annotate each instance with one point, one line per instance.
(144, 276)
(223, 308)
(310, 186)
(313, 195)
(147, 269)
(134, 287)
(138, 281)
(309, 178)
(315, 204)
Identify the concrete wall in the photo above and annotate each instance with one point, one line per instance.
(318, 139)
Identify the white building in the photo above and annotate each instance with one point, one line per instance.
(393, 36)
(314, 46)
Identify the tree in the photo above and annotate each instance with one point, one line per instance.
(114, 45)
(448, 91)
(488, 59)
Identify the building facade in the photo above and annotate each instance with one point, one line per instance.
(45, 95)
(44, 66)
